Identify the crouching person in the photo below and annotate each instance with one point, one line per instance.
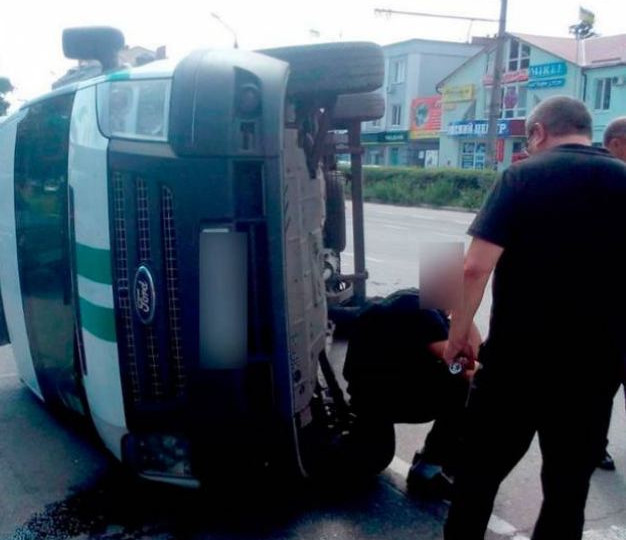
(396, 374)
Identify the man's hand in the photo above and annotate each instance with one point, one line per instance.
(463, 352)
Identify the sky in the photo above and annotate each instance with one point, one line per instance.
(30, 30)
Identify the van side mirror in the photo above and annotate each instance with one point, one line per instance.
(101, 43)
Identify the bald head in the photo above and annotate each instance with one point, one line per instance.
(558, 120)
(561, 115)
(615, 138)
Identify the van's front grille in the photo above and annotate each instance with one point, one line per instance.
(122, 287)
(154, 223)
(145, 258)
(172, 291)
(152, 356)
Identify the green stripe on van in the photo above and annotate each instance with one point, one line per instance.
(119, 76)
(94, 263)
(98, 320)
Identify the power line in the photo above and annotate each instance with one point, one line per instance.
(381, 11)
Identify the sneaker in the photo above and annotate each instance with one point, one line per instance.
(606, 463)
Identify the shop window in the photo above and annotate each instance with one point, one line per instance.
(473, 155)
(519, 55)
(513, 100)
(398, 71)
(396, 115)
(603, 94)
(375, 157)
(394, 156)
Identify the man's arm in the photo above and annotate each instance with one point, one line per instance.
(481, 259)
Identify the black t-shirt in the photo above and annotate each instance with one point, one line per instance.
(390, 338)
(560, 283)
(389, 369)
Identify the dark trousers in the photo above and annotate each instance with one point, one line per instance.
(606, 440)
(505, 411)
(421, 392)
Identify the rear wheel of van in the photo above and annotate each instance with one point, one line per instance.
(362, 452)
(333, 68)
(369, 448)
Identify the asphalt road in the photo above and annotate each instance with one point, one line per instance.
(56, 481)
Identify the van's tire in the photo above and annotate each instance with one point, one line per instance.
(335, 224)
(358, 108)
(332, 68)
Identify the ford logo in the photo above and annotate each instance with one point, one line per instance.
(144, 294)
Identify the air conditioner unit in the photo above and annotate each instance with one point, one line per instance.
(619, 81)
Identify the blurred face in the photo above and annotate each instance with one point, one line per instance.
(441, 275)
(617, 147)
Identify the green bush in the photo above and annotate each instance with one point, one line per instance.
(412, 186)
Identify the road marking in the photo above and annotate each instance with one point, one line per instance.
(501, 527)
(396, 227)
(370, 259)
(8, 376)
(612, 533)
(399, 466)
(496, 524)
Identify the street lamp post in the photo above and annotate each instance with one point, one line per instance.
(228, 27)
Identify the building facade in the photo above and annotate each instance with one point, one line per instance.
(535, 67)
(409, 132)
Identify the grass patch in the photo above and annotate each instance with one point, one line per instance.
(411, 186)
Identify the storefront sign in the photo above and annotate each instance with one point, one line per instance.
(395, 136)
(453, 94)
(425, 117)
(546, 83)
(383, 137)
(509, 77)
(476, 128)
(548, 71)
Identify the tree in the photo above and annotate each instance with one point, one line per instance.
(5, 88)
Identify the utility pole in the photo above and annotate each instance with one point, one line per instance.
(496, 92)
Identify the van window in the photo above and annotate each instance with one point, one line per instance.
(135, 109)
(42, 228)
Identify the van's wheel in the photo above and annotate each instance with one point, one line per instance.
(332, 68)
(352, 108)
(335, 224)
(360, 453)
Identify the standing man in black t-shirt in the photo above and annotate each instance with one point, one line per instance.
(615, 143)
(554, 230)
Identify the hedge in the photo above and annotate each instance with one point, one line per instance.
(439, 187)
